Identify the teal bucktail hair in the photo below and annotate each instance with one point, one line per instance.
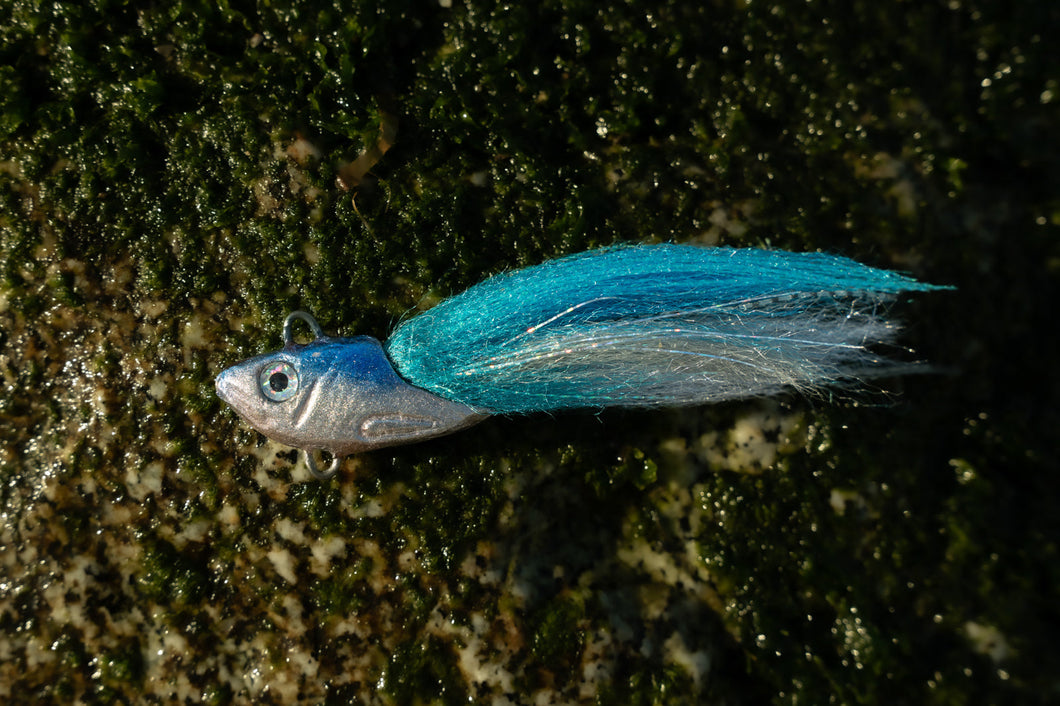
(652, 325)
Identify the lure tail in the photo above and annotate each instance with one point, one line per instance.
(652, 325)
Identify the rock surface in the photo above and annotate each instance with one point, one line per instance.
(174, 179)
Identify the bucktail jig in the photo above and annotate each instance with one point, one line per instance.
(626, 326)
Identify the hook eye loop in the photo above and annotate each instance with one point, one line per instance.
(288, 326)
(325, 474)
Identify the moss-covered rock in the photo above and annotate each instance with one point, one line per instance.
(174, 179)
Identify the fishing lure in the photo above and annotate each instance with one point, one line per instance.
(627, 326)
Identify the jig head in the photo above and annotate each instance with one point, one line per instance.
(339, 395)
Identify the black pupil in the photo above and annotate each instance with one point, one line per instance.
(278, 382)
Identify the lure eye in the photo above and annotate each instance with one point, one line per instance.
(279, 381)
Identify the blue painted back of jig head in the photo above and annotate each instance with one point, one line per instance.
(652, 325)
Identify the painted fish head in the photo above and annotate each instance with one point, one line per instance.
(339, 395)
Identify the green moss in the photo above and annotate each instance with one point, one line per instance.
(64, 690)
(452, 506)
(121, 668)
(71, 651)
(217, 695)
(319, 505)
(171, 577)
(650, 687)
(341, 593)
(422, 670)
(559, 632)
